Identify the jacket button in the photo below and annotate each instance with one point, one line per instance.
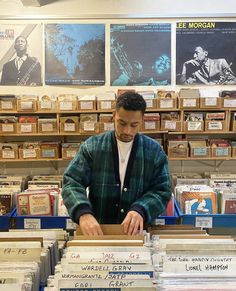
(122, 210)
(125, 189)
(117, 205)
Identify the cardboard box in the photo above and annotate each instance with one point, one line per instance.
(69, 124)
(26, 128)
(49, 150)
(47, 125)
(69, 150)
(106, 105)
(167, 103)
(171, 125)
(189, 93)
(47, 103)
(210, 102)
(189, 102)
(7, 103)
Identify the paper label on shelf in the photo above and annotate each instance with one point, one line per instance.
(149, 125)
(170, 124)
(46, 105)
(215, 125)
(69, 127)
(108, 126)
(29, 153)
(211, 101)
(48, 153)
(7, 128)
(203, 222)
(66, 105)
(221, 152)
(26, 128)
(6, 105)
(199, 151)
(47, 127)
(89, 126)
(166, 103)
(32, 223)
(8, 154)
(86, 105)
(187, 264)
(105, 104)
(194, 125)
(26, 105)
(70, 153)
(229, 102)
(159, 221)
(70, 224)
(149, 103)
(189, 102)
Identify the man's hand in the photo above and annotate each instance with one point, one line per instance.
(89, 225)
(133, 223)
(193, 62)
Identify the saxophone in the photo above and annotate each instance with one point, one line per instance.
(122, 62)
(23, 81)
(226, 76)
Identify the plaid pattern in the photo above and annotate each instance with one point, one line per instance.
(95, 166)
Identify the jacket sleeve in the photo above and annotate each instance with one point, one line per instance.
(75, 181)
(154, 201)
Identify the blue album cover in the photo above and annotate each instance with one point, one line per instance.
(75, 54)
(140, 54)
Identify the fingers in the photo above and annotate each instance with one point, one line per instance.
(89, 225)
(133, 223)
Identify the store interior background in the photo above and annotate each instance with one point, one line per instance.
(112, 12)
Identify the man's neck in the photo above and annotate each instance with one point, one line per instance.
(21, 54)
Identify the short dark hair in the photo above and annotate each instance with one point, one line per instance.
(131, 101)
(21, 36)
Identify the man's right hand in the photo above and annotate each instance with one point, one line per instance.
(89, 225)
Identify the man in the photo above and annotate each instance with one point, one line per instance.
(204, 70)
(126, 174)
(161, 69)
(22, 70)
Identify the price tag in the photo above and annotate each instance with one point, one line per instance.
(32, 223)
(159, 221)
(70, 224)
(204, 222)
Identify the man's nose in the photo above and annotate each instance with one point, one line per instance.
(127, 129)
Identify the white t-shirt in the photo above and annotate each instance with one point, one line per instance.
(124, 149)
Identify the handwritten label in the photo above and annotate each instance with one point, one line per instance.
(105, 104)
(32, 223)
(204, 222)
(199, 264)
(46, 105)
(221, 152)
(70, 153)
(150, 125)
(229, 102)
(6, 105)
(149, 103)
(47, 127)
(194, 125)
(26, 105)
(29, 153)
(86, 105)
(69, 127)
(7, 128)
(66, 105)
(166, 103)
(189, 102)
(215, 125)
(26, 127)
(8, 154)
(108, 126)
(70, 224)
(211, 101)
(200, 152)
(89, 126)
(170, 124)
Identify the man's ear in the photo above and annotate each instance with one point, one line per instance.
(113, 115)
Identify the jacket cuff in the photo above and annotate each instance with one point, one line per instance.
(140, 210)
(81, 210)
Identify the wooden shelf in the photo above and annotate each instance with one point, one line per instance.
(202, 159)
(34, 160)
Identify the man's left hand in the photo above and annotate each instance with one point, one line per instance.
(133, 223)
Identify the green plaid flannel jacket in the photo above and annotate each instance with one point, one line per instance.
(147, 184)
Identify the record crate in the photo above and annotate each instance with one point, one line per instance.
(150, 125)
(69, 150)
(8, 153)
(106, 126)
(26, 105)
(48, 125)
(221, 152)
(33, 153)
(228, 103)
(210, 102)
(200, 152)
(67, 105)
(151, 103)
(178, 152)
(47, 105)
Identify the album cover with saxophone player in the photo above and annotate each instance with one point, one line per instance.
(206, 53)
(20, 54)
(140, 54)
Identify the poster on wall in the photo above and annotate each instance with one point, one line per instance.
(206, 53)
(75, 54)
(20, 55)
(140, 54)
